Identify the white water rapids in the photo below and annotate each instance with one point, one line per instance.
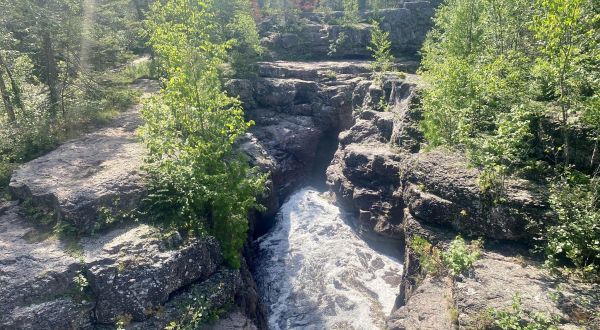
(315, 272)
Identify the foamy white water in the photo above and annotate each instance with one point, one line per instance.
(315, 272)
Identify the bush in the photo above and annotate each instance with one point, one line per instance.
(428, 256)
(198, 181)
(575, 239)
(460, 257)
(519, 319)
(381, 47)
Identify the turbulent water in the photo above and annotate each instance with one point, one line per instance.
(315, 272)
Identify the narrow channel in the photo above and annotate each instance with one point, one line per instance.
(314, 271)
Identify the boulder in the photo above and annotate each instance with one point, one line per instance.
(441, 189)
(133, 271)
(365, 171)
(364, 178)
(214, 295)
(53, 283)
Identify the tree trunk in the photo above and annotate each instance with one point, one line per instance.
(51, 71)
(6, 99)
(16, 91)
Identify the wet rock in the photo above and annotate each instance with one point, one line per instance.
(364, 178)
(296, 106)
(365, 171)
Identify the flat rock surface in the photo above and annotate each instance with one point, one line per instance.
(313, 70)
(84, 178)
(36, 277)
(498, 277)
(429, 308)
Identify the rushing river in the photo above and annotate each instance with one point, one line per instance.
(316, 272)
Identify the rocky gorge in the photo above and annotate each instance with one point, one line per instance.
(318, 122)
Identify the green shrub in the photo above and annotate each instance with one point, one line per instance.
(460, 257)
(380, 46)
(337, 43)
(575, 239)
(427, 255)
(198, 181)
(6, 170)
(351, 15)
(519, 319)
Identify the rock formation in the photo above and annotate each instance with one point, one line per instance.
(119, 270)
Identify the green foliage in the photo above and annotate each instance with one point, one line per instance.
(351, 15)
(80, 281)
(428, 256)
(6, 170)
(199, 309)
(337, 43)
(519, 319)
(576, 236)
(460, 257)
(476, 71)
(491, 74)
(198, 181)
(236, 24)
(196, 314)
(122, 321)
(494, 72)
(381, 47)
(53, 55)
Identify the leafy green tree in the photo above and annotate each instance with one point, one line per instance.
(496, 69)
(477, 66)
(52, 60)
(381, 47)
(565, 30)
(237, 25)
(199, 182)
(351, 12)
(576, 237)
